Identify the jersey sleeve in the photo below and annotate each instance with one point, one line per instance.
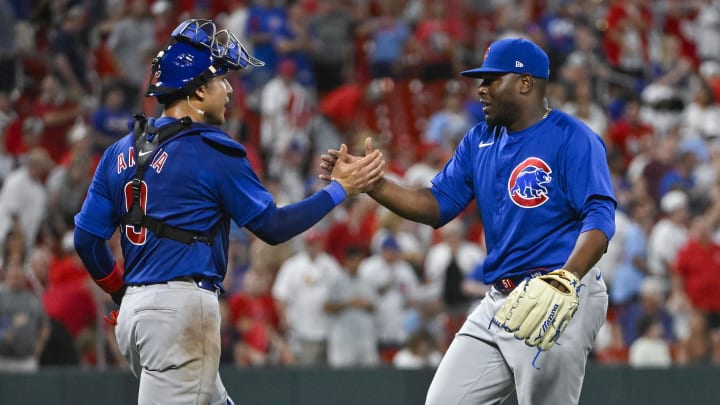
(239, 189)
(97, 215)
(588, 175)
(590, 190)
(453, 186)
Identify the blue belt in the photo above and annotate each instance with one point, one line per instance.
(200, 282)
(507, 284)
(204, 283)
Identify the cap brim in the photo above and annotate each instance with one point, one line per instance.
(481, 71)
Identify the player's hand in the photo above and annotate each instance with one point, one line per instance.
(328, 160)
(538, 310)
(357, 174)
(112, 317)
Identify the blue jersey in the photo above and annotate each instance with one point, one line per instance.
(195, 181)
(530, 189)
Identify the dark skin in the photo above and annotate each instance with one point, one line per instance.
(514, 101)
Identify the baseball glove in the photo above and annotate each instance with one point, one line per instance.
(538, 309)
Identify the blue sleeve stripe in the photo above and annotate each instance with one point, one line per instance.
(336, 191)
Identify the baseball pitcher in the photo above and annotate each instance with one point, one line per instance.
(543, 191)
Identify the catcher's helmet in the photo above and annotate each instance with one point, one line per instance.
(197, 52)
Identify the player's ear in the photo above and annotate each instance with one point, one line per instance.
(526, 83)
(201, 92)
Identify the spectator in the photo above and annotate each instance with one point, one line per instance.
(300, 291)
(230, 337)
(352, 340)
(58, 113)
(662, 107)
(585, 62)
(438, 40)
(681, 176)
(236, 22)
(697, 347)
(23, 196)
(254, 315)
(669, 234)
(286, 110)
(406, 233)
(294, 43)
(701, 116)
(418, 352)
(627, 133)
(24, 326)
(586, 109)
(707, 30)
(331, 27)
(626, 40)
(397, 287)
(448, 263)
(66, 190)
(164, 19)
(22, 135)
(110, 120)
(650, 349)
(132, 41)
(69, 52)
(69, 299)
(355, 227)
(264, 21)
(659, 157)
(558, 27)
(632, 265)
(388, 35)
(447, 126)
(651, 303)
(347, 106)
(697, 270)
(431, 161)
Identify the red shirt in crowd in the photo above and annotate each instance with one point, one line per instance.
(67, 297)
(621, 17)
(256, 315)
(698, 264)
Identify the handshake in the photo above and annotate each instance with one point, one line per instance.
(356, 174)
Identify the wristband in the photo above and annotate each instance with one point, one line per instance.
(336, 191)
(113, 281)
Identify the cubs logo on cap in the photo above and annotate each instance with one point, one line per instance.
(528, 183)
(513, 55)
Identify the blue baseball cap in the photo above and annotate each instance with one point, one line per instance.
(513, 55)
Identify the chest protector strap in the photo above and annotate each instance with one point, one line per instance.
(147, 138)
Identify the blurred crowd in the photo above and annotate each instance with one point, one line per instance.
(364, 287)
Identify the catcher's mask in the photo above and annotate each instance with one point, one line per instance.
(196, 53)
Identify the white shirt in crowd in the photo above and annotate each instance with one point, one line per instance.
(397, 287)
(302, 284)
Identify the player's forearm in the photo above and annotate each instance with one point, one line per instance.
(278, 225)
(589, 248)
(98, 260)
(417, 205)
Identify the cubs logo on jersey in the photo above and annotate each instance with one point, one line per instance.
(528, 183)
